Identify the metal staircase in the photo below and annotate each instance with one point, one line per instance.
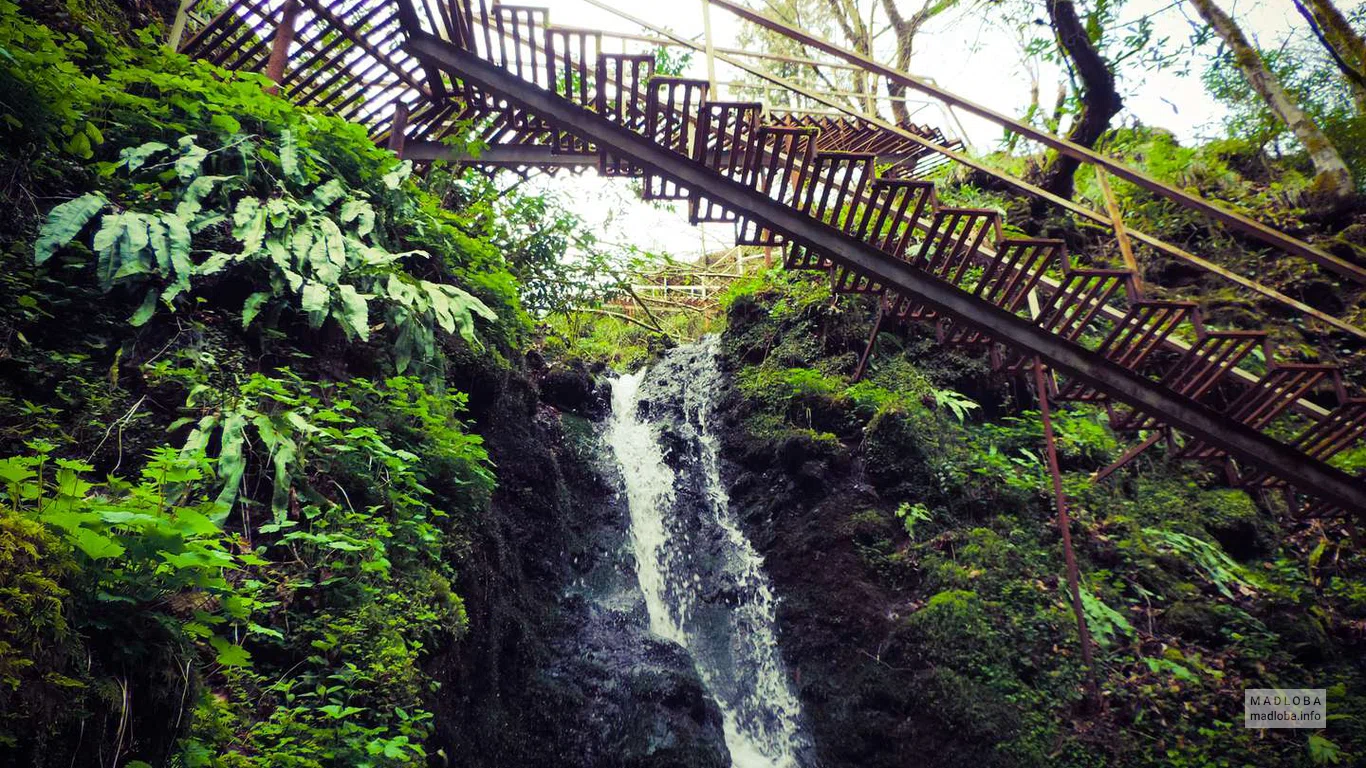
(841, 197)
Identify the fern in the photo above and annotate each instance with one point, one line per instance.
(65, 222)
(957, 403)
(1218, 568)
(1106, 624)
(318, 250)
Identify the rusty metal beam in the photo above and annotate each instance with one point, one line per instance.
(1199, 420)
(398, 138)
(357, 39)
(1019, 184)
(1233, 220)
(279, 48)
(499, 155)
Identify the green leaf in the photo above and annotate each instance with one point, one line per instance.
(362, 213)
(252, 307)
(136, 157)
(314, 301)
(14, 471)
(79, 145)
(230, 654)
(192, 157)
(191, 201)
(160, 244)
(145, 310)
(64, 222)
(1324, 751)
(283, 455)
(178, 245)
(329, 193)
(96, 546)
(232, 464)
(355, 316)
(215, 263)
(336, 243)
(257, 629)
(225, 124)
(396, 177)
(319, 259)
(196, 522)
(249, 225)
(453, 309)
(289, 155)
(339, 712)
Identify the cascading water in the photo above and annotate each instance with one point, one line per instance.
(704, 584)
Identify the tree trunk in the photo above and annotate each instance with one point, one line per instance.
(1345, 44)
(905, 29)
(1332, 186)
(861, 39)
(1099, 100)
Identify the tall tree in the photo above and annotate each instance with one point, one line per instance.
(1344, 43)
(857, 24)
(1333, 182)
(1100, 101)
(905, 28)
(860, 36)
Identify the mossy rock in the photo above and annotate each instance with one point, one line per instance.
(871, 527)
(1303, 634)
(955, 629)
(898, 464)
(973, 712)
(1197, 621)
(1240, 527)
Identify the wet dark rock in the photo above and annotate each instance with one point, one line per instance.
(559, 667)
(1322, 294)
(573, 388)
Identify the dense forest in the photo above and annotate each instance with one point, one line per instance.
(312, 456)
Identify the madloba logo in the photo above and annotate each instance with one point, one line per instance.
(1285, 707)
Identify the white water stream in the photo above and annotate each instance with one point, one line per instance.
(704, 584)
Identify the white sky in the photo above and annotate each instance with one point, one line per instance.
(968, 52)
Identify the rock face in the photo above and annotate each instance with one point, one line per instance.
(842, 630)
(559, 667)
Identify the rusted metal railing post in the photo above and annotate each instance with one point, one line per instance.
(1065, 528)
(279, 47)
(182, 16)
(1117, 222)
(711, 48)
(398, 133)
(862, 366)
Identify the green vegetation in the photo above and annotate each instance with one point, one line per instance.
(1192, 592)
(242, 357)
(235, 483)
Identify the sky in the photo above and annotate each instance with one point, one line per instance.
(968, 51)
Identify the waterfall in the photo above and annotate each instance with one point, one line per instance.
(704, 584)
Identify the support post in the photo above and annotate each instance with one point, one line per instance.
(398, 133)
(1117, 223)
(868, 349)
(182, 15)
(1128, 456)
(279, 48)
(1065, 528)
(711, 48)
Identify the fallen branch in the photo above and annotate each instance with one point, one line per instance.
(632, 320)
